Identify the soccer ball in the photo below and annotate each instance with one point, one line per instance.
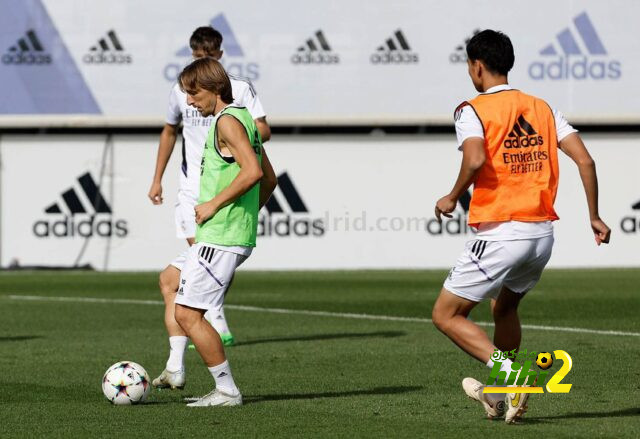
(544, 360)
(126, 383)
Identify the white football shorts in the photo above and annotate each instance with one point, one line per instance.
(206, 276)
(185, 215)
(486, 266)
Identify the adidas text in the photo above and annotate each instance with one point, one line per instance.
(575, 68)
(286, 225)
(523, 142)
(394, 58)
(68, 228)
(107, 58)
(315, 58)
(26, 58)
(452, 226)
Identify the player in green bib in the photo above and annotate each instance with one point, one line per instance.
(236, 180)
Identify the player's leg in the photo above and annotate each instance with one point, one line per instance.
(477, 275)
(450, 314)
(507, 333)
(519, 281)
(173, 376)
(215, 316)
(205, 279)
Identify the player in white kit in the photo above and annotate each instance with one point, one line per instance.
(205, 41)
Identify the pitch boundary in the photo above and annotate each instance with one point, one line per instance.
(310, 313)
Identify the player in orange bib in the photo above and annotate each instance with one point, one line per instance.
(509, 142)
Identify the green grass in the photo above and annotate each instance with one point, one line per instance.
(311, 376)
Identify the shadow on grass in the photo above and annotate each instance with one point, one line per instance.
(633, 411)
(366, 392)
(20, 338)
(315, 337)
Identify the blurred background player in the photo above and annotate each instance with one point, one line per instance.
(509, 143)
(205, 41)
(237, 179)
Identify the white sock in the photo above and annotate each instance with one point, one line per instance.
(177, 346)
(506, 367)
(217, 320)
(224, 380)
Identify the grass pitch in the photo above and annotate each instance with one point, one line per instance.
(306, 375)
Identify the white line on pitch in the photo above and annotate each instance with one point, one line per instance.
(310, 313)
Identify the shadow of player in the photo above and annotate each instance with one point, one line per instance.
(317, 337)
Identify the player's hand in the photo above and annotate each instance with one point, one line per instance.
(601, 231)
(155, 193)
(204, 212)
(444, 207)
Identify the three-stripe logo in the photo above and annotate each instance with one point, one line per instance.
(522, 135)
(109, 50)
(287, 214)
(81, 213)
(73, 203)
(395, 50)
(291, 196)
(315, 50)
(580, 55)
(28, 50)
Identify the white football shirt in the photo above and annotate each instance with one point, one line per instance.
(196, 128)
(468, 125)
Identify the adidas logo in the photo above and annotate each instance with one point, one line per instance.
(575, 57)
(456, 225)
(231, 47)
(316, 50)
(94, 203)
(459, 54)
(522, 135)
(631, 224)
(109, 50)
(296, 221)
(222, 375)
(395, 50)
(28, 50)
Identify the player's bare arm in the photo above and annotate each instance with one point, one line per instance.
(473, 157)
(263, 128)
(165, 148)
(268, 182)
(573, 146)
(232, 140)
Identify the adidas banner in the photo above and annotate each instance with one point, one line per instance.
(371, 208)
(384, 64)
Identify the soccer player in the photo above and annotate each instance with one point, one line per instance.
(509, 142)
(205, 41)
(236, 180)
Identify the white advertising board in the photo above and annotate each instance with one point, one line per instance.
(334, 62)
(342, 203)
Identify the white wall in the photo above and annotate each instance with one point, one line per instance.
(367, 203)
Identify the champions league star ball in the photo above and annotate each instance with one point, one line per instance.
(126, 383)
(544, 360)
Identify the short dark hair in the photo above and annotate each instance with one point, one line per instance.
(206, 73)
(494, 49)
(207, 39)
